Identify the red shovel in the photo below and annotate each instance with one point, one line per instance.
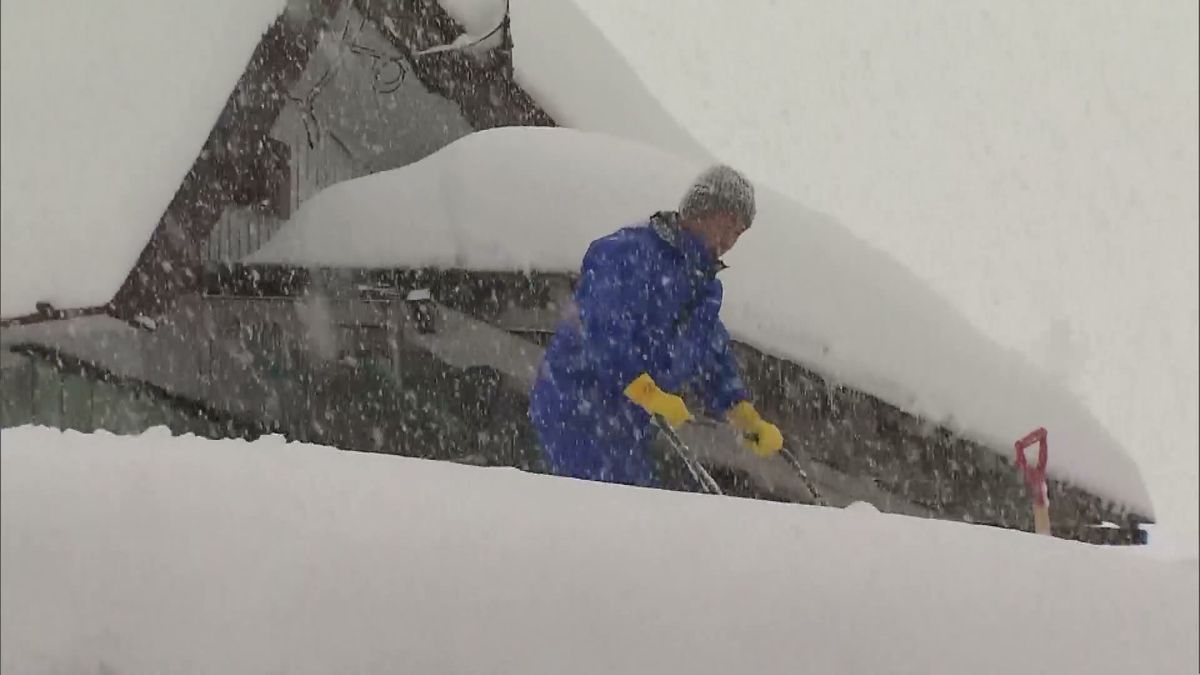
(1035, 478)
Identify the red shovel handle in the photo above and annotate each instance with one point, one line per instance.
(1036, 436)
(1035, 477)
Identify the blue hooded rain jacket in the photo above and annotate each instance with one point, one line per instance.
(647, 301)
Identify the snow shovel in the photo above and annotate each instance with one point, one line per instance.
(1035, 478)
(791, 459)
(699, 473)
(812, 487)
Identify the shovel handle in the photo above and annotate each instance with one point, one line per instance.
(1035, 476)
(1036, 436)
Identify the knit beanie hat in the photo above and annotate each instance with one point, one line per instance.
(719, 189)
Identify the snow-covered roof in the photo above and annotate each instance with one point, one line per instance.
(799, 285)
(153, 554)
(1014, 155)
(573, 72)
(105, 108)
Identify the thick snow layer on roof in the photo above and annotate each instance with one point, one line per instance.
(1036, 163)
(574, 72)
(576, 75)
(476, 16)
(1013, 156)
(105, 107)
(167, 555)
(799, 286)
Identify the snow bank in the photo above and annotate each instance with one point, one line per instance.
(156, 555)
(799, 286)
(105, 108)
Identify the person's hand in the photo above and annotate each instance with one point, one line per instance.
(759, 435)
(644, 392)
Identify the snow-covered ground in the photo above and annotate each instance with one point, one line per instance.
(161, 555)
(1035, 162)
(501, 199)
(105, 107)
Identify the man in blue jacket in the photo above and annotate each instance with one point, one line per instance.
(645, 323)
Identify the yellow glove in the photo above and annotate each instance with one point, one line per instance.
(645, 393)
(759, 435)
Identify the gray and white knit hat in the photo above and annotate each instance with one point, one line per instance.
(719, 189)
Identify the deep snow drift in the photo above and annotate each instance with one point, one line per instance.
(158, 555)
